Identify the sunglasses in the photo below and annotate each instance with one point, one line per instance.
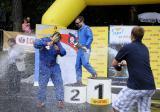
(77, 23)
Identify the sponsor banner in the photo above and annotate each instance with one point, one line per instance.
(24, 40)
(151, 39)
(98, 58)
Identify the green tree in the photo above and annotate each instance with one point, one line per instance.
(16, 10)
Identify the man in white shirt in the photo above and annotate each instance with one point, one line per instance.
(16, 65)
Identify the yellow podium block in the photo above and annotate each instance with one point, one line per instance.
(99, 91)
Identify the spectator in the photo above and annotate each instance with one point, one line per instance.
(26, 26)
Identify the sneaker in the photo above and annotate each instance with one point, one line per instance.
(60, 104)
(40, 104)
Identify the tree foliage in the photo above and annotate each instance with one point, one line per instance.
(16, 10)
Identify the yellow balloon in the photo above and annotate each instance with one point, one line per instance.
(63, 12)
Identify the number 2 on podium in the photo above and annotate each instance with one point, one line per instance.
(74, 98)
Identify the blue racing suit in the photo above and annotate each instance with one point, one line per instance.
(49, 68)
(85, 38)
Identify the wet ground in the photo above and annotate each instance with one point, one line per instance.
(25, 101)
(21, 97)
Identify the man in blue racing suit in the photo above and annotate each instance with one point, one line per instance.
(50, 48)
(85, 38)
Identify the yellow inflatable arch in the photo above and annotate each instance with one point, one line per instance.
(63, 12)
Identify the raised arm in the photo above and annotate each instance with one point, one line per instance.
(40, 43)
(62, 51)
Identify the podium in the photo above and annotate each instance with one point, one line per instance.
(99, 91)
(75, 94)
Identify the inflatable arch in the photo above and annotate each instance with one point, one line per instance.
(63, 12)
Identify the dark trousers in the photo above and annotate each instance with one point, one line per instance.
(14, 78)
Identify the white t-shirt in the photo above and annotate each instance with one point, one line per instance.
(16, 55)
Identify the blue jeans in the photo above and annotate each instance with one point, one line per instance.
(83, 59)
(54, 73)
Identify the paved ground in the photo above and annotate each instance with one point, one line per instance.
(25, 101)
(21, 97)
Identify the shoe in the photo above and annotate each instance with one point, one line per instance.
(78, 83)
(40, 104)
(60, 104)
(94, 76)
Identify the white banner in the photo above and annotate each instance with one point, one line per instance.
(26, 40)
(120, 34)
